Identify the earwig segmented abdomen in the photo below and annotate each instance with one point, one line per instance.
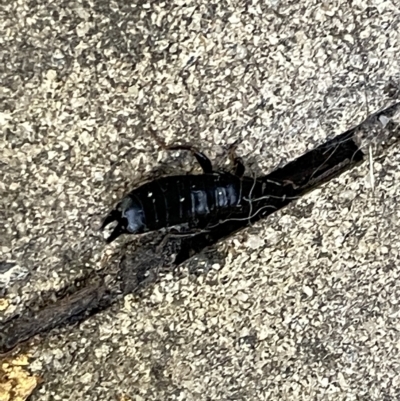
(175, 200)
(199, 201)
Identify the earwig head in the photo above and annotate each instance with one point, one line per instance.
(129, 217)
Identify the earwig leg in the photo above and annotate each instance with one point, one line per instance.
(202, 159)
(236, 161)
(239, 167)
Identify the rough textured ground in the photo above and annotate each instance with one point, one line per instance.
(303, 306)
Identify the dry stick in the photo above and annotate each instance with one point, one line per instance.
(283, 185)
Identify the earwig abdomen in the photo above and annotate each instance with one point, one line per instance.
(196, 200)
(175, 200)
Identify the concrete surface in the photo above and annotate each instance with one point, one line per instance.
(303, 306)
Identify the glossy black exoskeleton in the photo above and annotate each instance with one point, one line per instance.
(200, 201)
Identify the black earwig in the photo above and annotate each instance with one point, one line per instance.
(201, 201)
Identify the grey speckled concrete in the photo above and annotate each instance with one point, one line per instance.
(305, 305)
